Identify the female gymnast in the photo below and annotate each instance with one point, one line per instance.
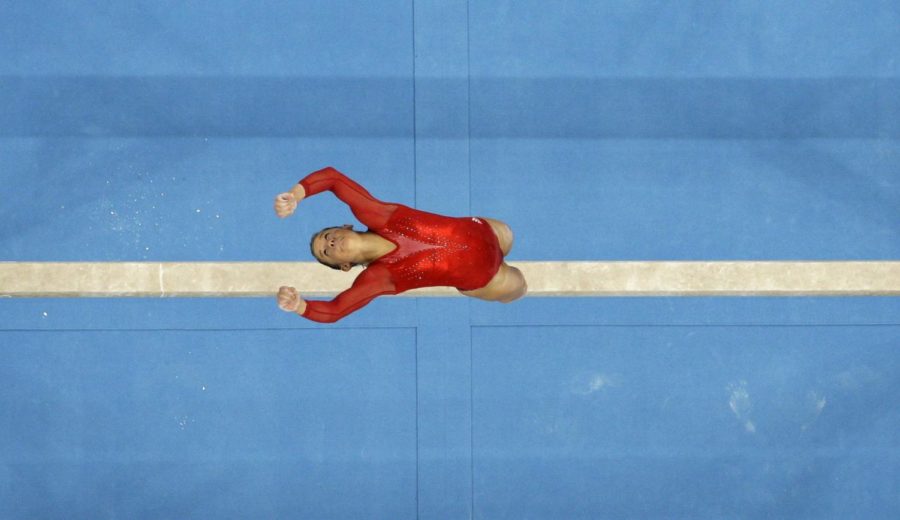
(403, 248)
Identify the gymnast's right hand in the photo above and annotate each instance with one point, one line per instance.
(286, 203)
(290, 301)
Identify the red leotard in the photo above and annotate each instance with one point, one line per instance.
(432, 250)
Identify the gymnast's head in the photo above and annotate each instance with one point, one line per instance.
(336, 247)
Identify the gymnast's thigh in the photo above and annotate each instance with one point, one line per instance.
(495, 289)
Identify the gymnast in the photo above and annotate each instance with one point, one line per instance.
(402, 249)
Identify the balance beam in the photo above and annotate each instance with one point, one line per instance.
(598, 279)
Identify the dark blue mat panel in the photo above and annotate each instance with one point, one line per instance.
(698, 39)
(237, 38)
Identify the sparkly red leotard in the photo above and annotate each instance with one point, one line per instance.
(432, 250)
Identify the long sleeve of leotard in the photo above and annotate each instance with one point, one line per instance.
(369, 210)
(372, 282)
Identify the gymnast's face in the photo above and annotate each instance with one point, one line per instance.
(337, 246)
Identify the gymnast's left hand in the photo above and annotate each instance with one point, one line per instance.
(290, 301)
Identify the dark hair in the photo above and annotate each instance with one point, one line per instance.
(313, 251)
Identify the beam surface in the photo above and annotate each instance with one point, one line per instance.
(262, 279)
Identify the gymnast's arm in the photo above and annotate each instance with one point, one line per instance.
(373, 282)
(369, 210)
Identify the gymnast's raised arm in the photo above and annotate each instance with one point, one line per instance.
(369, 210)
(372, 282)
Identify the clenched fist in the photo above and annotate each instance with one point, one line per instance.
(286, 203)
(290, 301)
